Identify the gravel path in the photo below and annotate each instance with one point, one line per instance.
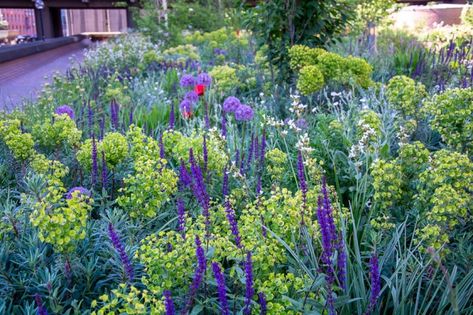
(23, 78)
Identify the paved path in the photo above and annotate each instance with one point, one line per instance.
(23, 78)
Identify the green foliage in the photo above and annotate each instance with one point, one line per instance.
(61, 131)
(452, 113)
(467, 15)
(20, 144)
(406, 95)
(310, 80)
(225, 78)
(279, 25)
(181, 53)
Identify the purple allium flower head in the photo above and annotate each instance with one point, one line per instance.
(222, 294)
(204, 79)
(95, 168)
(181, 217)
(230, 214)
(192, 96)
(81, 190)
(244, 113)
(262, 303)
(198, 275)
(185, 106)
(118, 245)
(249, 284)
(231, 104)
(65, 110)
(302, 184)
(104, 171)
(187, 81)
(301, 123)
(224, 125)
(184, 178)
(168, 303)
(172, 117)
(375, 279)
(39, 304)
(161, 147)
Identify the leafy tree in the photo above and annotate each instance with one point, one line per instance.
(280, 24)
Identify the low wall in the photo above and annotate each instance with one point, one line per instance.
(427, 16)
(8, 53)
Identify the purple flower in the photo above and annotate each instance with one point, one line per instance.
(249, 284)
(230, 214)
(192, 96)
(82, 192)
(263, 147)
(184, 177)
(231, 104)
(224, 125)
(341, 263)
(219, 51)
(161, 147)
(104, 171)
(168, 303)
(225, 184)
(204, 78)
(262, 303)
(39, 303)
(222, 294)
(244, 113)
(198, 275)
(172, 117)
(114, 109)
(200, 190)
(302, 184)
(118, 245)
(186, 108)
(187, 80)
(301, 123)
(65, 110)
(181, 217)
(95, 170)
(375, 278)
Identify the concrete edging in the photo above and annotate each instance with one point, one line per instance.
(22, 50)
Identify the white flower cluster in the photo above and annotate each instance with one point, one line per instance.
(357, 150)
(296, 106)
(303, 144)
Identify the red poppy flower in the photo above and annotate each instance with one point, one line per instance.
(186, 114)
(200, 89)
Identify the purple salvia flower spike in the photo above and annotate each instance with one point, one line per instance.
(375, 279)
(161, 147)
(104, 171)
(172, 117)
(302, 184)
(205, 154)
(341, 262)
(200, 190)
(184, 177)
(198, 275)
(168, 303)
(262, 303)
(249, 284)
(95, 170)
(90, 118)
(181, 214)
(39, 303)
(230, 214)
(118, 245)
(222, 294)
